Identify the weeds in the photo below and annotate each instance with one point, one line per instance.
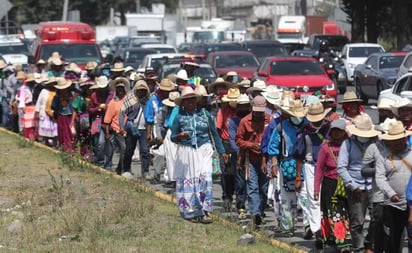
(24, 143)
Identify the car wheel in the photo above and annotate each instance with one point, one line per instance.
(359, 92)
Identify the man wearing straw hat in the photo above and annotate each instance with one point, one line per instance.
(306, 152)
(393, 171)
(349, 168)
(402, 109)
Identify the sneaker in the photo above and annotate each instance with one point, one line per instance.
(307, 235)
(258, 220)
(206, 219)
(147, 176)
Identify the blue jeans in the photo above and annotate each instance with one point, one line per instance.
(119, 140)
(99, 148)
(240, 184)
(5, 112)
(257, 189)
(131, 141)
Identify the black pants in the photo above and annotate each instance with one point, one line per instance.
(131, 142)
(376, 235)
(394, 221)
(227, 179)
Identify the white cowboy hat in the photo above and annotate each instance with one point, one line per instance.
(120, 82)
(243, 99)
(316, 112)
(350, 96)
(117, 67)
(74, 68)
(403, 102)
(187, 92)
(396, 131)
(201, 90)
(384, 103)
(384, 127)
(91, 65)
(182, 74)
(62, 83)
(218, 81)
(100, 82)
(245, 83)
(363, 127)
(170, 101)
(273, 95)
(166, 85)
(258, 85)
(295, 108)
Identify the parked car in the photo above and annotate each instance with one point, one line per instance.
(303, 75)
(406, 65)
(264, 48)
(401, 88)
(379, 72)
(202, 50)
(161, 48)
(133, 56)
(243, 62)
(205, 71)
(155, 60)
(356, 53)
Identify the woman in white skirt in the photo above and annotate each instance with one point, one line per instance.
(194, 132)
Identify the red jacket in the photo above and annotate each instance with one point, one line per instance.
(248, 134)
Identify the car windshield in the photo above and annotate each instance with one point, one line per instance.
(296, 68)
(289, 35)
(78, 53)
(363, 51)
(163, 50)
(386, 62)
(135, 56)
(208, 36)
(335, 43)
(13, 49)
(267, 50)
(227, 61)
(205, 72)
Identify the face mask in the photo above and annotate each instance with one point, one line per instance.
(295, 120)
(362, 139)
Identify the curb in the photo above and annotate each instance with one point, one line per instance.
(147, 189)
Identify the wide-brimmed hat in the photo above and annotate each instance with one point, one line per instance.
(245, 83)
(86, 82)
(218, 82)
(316, 112)
(51, 81)
(100, 82)
(258, 104)
(363, 127)
(62, 83)
(258, 85)
(402, 102)
(40, 78)
(120, 82)
(231, 74)
(272, 95)
(295, 108)
(141, 85)
(287, 97)
(182, 74)
(128, 68)
(396, 131)
(350, 96)
(384, 126)
(91, 65)
(117, 67)
(166, 85)
(187, 92)
(20, 75)
(232, 95)
(74, 68)
(243, 99)
(2, 64)
(170, 101)
(30, 78)
(384, 103)
(201, 90)
(41, 62)
(55, 61)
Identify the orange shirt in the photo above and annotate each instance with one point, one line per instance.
(112, 114)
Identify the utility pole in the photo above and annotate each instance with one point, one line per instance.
(65, 9)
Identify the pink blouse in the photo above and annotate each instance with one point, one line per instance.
(326, 164)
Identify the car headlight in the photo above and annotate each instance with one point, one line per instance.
(330, 86)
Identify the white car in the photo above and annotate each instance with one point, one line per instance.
(356, 53)
(155, 60)
(401, 88)
(161, 48)
(406, 65)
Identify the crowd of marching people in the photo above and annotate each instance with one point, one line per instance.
(267, 147)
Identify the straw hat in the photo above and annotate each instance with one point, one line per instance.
(51, 81)
(396, 131)
(245, 83)
(2, 64)
(187, 92)
(363, 127)
(62, 83)
(316, 112)
(287, 97)
(91, 65)
(74, 68)
(272, 95)
(41, 62)
(166, 85)
(100, 82)
(243, 99)
(20, 75)
(201, 90)
(56, 61)
(350, 96)
(86, 82)
(120, 82)
(182, 74)
(258, 85)
(30, 78)
(230, 74)
(170, 101)
(218, 82)
(384, 103)
(295, 109)
(117, 67)
(384, 127)
(232, 95)
(141, 85)
(403, 102)
(128, 68)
